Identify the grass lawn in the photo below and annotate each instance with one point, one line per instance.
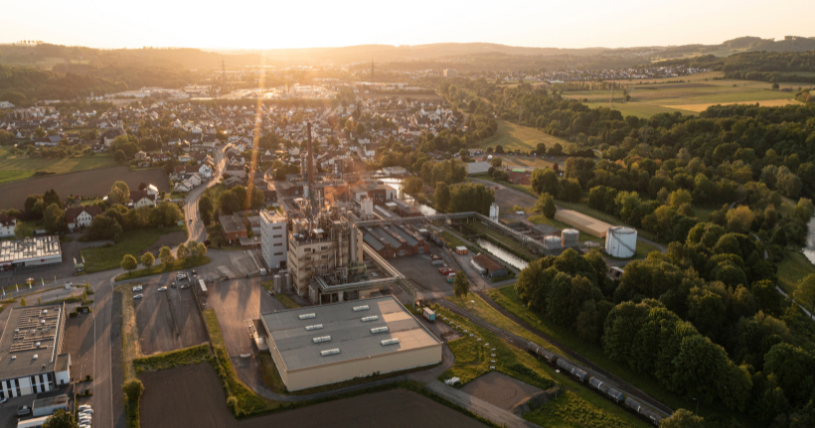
(167, 360)
(110, 256)
(13, 168)
(519, 137)
(131, 347)
(287, 301)
(508, 299)
(525, 367)
(248, 403)
(792, 270)
(188, 263)
(451, 240)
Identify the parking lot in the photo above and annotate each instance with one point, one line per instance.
(423, 275)
(169, 319)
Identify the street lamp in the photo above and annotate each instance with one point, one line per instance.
(557, 381)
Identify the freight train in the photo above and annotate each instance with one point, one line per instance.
(609, 391)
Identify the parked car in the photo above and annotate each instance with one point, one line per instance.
(137, 288)
(138, 296)
(83, 407)
(194, 272)
(88, 411)
(23, 410)
(163, 288)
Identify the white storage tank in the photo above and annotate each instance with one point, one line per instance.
(551, 242)
(288, 283)
(621, 242)
(494, 212)
(570, 237)
(277, 284)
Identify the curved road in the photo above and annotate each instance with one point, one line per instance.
(195, 228)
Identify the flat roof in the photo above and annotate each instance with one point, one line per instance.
(348, 332)
(232, 223)
(26, 327)
(50, 401)
(406, 236)
(382, 233)
(30, 248)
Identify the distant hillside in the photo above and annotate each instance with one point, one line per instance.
(768, 66)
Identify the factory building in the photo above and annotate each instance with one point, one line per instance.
(30, 362)
(395, 241)
(333, 343)
(273, 239)
(41, 250)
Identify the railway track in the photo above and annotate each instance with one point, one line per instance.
(620, 384)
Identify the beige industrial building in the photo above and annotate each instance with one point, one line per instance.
(327, 344)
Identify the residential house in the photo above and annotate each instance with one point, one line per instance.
(184, 158)
(140, 198)
(233, 227)
(7, 226)
(79, 217)
(183, 186)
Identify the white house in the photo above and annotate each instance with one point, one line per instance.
(195, 179)
(140, 198)
(78, 217)
(205, 171)
(7, 226)
(183, 186)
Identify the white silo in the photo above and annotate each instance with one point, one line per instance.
(621, 242)
(570, 237)
(494, 212)
(551, 242)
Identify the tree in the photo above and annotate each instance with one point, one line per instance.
(181, 252)
(205, 209)
(169, 166)
(804, 209)
(119, 193)
(678, 198)
(544, 180)
(546, 205)
(201, 249)
(51, 197)
(23, 231)
(470, 197)
(120, 156)
(147, 259)
(129, 263)
(413, 185)
(683, 419)
(61, 419)
(23, 302)
(461, 286)
(54, 219)
(442, 197)
(540, 149)
(740, 219)
(166, 255)
(133, 388)
(805, 292)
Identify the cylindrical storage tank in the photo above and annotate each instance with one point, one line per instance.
(570, 237)
(621, 242)
(615, 395)
(276, 280)
(633, 404)
(551, 242)
(288, 283)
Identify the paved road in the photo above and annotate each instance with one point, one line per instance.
(195, 228)
(811, 316)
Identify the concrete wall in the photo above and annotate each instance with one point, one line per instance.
(347, 370)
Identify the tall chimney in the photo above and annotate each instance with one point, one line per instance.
(310, 156)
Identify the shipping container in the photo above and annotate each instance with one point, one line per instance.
(429, 314)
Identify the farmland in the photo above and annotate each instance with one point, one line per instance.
(91, 183)
(193, 396)
(518, 137)
(693, 95)
(14, 168)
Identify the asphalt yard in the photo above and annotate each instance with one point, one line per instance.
(500, 390)
(424, 276)
(168, 319)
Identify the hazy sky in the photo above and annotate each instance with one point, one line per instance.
(295, 24)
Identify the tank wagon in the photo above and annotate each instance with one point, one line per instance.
(581, 375)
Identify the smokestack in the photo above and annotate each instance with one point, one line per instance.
(310, 159)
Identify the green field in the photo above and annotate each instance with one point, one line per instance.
(692, 96)
(13, 168)
(518, 137)
(110, 256)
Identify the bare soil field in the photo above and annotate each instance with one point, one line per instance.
(168, 320)
(86, 183)
(762, 103)
(499, 389)
(192, 396)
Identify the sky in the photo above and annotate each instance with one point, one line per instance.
(242, 24)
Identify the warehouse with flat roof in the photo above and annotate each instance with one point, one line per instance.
(328, 344)
(41, 250)
(30, 359)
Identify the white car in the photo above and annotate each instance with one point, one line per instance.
(138, 296)
(84, 407)
(162, 289)
(137, 288)
(89, 411)
(520, 212)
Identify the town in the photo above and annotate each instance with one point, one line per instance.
(456, 234)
